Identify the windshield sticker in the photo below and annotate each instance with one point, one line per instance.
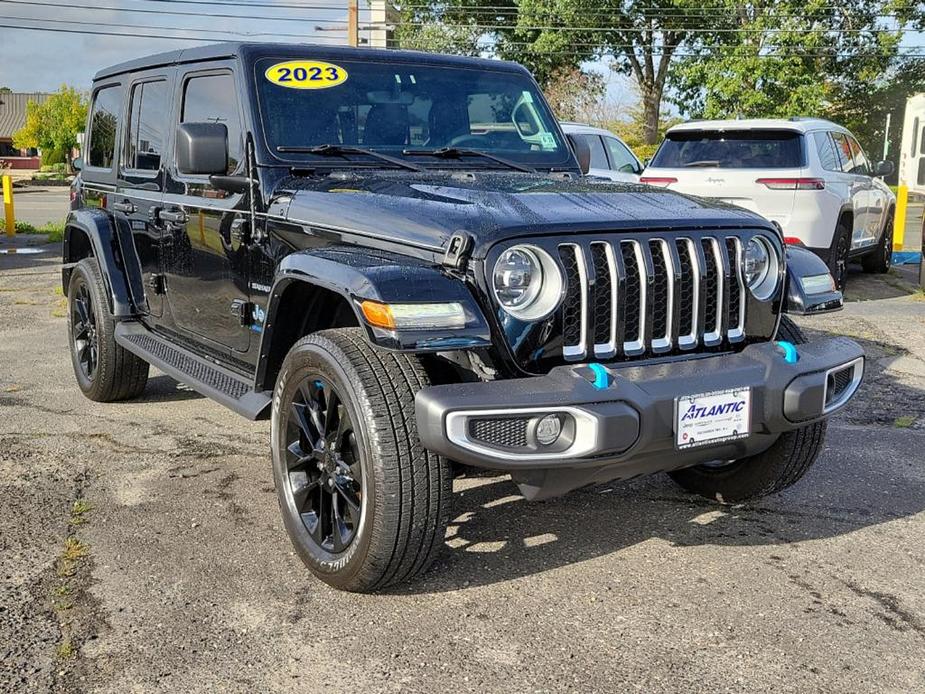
(547, 141)
(306, 74)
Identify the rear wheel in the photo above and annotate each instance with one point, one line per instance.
(364, 504)
(880, 260)
(779, 467)
(838, 254)
(105, 370)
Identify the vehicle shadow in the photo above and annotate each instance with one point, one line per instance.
(163, 388)
(28, 252)
(862, 479)
(900, 281)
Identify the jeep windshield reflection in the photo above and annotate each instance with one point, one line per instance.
(429, 115)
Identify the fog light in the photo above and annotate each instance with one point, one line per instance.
(548, 430)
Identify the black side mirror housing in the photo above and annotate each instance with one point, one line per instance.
(808, 292)
(202, 149)
(582, 152)
(884, 168)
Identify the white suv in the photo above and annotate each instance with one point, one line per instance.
(610, 157)
(809, 176)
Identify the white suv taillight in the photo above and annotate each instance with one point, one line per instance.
(792, 183)
(659, 182)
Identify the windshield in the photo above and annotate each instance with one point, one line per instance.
(394, 107)
(727, 149)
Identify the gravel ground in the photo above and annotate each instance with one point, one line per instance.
(142, 550)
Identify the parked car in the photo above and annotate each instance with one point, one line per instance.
(394, 257)
(809, 176)
(611, 158)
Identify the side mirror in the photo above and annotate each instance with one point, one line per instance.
(77, 164)
(582, 152)
(884, 168)
(202, 149)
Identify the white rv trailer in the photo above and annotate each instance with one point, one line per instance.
(912, 152)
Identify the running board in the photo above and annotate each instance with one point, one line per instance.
(202, 375)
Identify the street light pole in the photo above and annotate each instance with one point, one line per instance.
(353, 23)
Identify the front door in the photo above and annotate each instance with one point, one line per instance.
(205, 262)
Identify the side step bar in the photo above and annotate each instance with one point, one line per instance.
(202, 375)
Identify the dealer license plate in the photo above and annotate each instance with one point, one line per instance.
(711, 418)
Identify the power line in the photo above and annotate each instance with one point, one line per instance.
(90, 32)
(550, 27)
(38, 3)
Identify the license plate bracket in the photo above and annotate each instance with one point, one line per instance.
(711, 418)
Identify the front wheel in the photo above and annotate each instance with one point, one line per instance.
(780, 466)
(880, 260)
(363, 502)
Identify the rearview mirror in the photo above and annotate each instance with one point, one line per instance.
(202, 149)
(884, 168)
(582, 152)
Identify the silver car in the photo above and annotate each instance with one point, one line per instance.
(611, 158)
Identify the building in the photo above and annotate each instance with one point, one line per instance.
(12, 118)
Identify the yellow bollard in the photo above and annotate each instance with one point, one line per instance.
(899, 223)
(8, 206)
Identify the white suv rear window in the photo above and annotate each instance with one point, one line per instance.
(730, 149)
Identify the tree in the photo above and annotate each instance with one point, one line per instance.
(573, 94)
(54, 124)
(5, 90)
(779, 58)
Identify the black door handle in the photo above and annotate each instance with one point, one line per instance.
(126, 207)
(172, 216)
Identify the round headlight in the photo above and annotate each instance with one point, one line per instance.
(759, 267)
(527, 282)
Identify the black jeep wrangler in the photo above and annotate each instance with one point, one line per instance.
(395, 256)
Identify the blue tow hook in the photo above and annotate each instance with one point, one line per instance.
(790, 351)
(601, 377)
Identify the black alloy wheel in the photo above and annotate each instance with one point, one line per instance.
(839, 261)
(324, 471)
(84, 339)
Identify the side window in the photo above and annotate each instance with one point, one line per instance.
(826, 150)
(104, 121)
(621, 159)
(921, 138)
(843, 150)
(861, 166)
(147, 118)
(598, 155)
(213, 99)
(915, 136)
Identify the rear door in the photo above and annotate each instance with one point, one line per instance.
(875, 202)
(747, 168)
(855, 174)
(624, 165)
(140, 184)
(600, 166)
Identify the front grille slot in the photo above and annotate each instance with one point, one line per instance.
(633, 298)
(502, 433)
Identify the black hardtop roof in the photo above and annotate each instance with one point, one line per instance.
(219, 51)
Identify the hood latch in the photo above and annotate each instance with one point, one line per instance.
(458, 251)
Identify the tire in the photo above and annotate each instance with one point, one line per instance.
(371, 478)
(779, 467)
(105, 371)
(881, 259)
(838, 254)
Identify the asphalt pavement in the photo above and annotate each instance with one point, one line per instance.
(37, 206)
(142, 551)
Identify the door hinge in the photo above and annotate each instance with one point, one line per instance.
(158, 284)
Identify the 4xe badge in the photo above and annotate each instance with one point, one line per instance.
(712, 418)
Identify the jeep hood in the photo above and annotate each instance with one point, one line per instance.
(426, 209)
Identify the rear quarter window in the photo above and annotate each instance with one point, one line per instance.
(731, 149)
(104, 124)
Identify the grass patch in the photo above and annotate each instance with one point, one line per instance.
(904, 422)
(64, 595)
(79, 511)
(66, 650)
(54, 230)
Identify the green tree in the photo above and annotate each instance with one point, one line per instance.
(779, 58)
(54, 124)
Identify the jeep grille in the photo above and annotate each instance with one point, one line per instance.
(651, 296)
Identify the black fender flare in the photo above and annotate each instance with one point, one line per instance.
(801, 263)
(108, 240)
(358, 274)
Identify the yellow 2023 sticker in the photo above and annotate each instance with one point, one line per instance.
(306, 74)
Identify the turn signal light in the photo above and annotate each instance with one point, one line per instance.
(792, 241)
(792, 183)
(659, 182)
(446, 316)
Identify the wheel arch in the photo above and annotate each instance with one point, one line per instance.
(322, 288)
(92, 233)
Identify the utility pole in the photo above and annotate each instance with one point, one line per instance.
(353, 23)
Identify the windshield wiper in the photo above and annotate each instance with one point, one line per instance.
(339, 150)
(459, 153)
(702, 162)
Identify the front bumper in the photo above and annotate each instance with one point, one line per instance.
(623, 425)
